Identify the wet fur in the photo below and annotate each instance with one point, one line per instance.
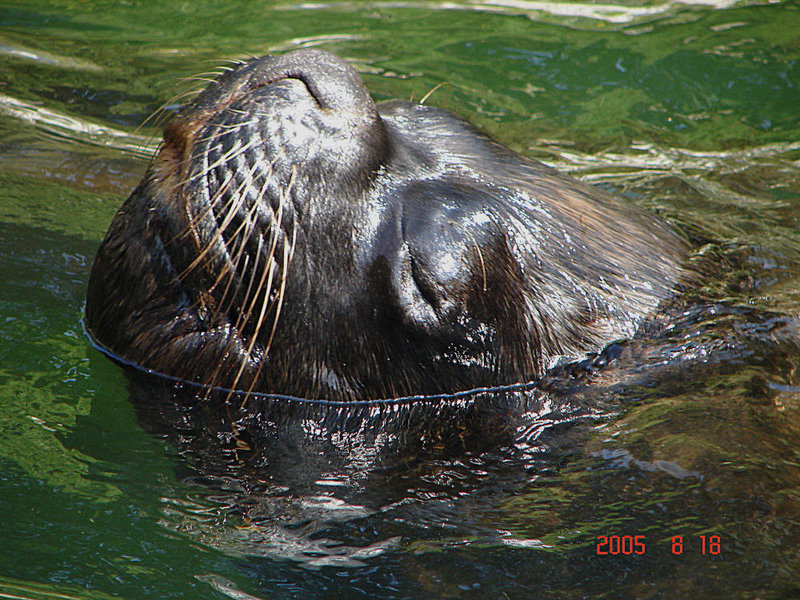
(398, 252)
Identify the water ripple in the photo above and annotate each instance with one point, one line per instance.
(608, 13)
(79, 130)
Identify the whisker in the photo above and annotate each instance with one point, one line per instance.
(201, 77)
(227, 271)
(251, 216)
(244, 317)
(232, 61)
(192, 220)
(268, 275)
(237, 111)
(232, 264)
(288, 254)
(232, 207)
(160, 114)
(430, 93)
(247, 301)
(234, 152)
(266, 302)
(249, 222)
(226, 130)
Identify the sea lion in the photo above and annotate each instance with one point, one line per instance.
(293, 237)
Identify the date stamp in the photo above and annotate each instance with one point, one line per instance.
(626, 545)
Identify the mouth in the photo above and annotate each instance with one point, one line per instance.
(182, 132)
(305, 112)
(228, 210)
(245, 174)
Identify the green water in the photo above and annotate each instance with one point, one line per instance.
(690, 110)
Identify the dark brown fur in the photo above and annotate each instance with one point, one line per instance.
(293, 237)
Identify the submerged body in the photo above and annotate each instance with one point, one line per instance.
(294, 237)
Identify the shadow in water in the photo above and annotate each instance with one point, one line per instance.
(673, 433)
(276, 476)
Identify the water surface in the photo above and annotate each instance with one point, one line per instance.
(689, 110)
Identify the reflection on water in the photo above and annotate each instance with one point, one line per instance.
(76, 129)
(610, 13)
(329, 486)
(130, 487)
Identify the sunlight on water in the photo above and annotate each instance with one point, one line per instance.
(126, 486)
(610, 13)
(77, 130)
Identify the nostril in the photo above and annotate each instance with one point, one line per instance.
(312, 89)
(332, 83)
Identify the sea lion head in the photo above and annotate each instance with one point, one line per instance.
(293, 237)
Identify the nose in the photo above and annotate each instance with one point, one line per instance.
(334, 84)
